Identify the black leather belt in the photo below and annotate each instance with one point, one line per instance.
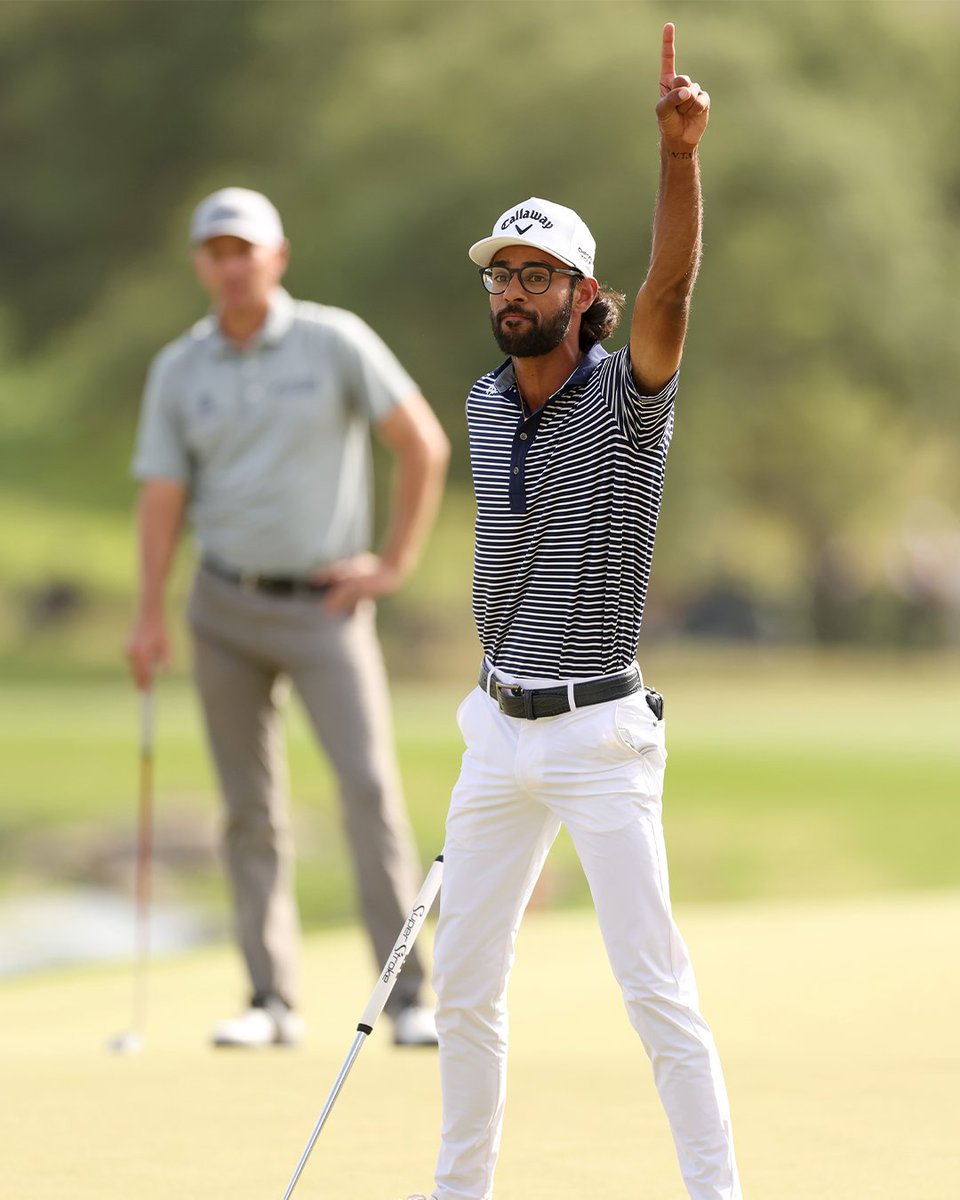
(271, 585)
(531, 703)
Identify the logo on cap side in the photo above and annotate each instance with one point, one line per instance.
(224, 213)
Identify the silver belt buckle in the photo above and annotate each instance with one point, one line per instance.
(510, 689)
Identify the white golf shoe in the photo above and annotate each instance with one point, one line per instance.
(415, 1025)
(271, 1024)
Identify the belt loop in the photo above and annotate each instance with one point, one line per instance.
(528, 704)
(572, 695)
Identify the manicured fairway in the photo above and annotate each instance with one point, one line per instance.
(790, 774)
(837, 1024)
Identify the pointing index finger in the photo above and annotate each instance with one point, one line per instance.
(668, 58)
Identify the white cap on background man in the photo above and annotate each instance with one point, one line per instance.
(236, 212)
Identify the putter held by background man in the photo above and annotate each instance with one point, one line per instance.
(568, 448)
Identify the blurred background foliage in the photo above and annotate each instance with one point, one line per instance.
(813, 491)
(812, 512)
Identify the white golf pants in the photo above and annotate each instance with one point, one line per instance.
(599, 772)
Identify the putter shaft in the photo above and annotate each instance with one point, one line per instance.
(131, 1041)
(322, 1119)
(143, 885)
(378, 998)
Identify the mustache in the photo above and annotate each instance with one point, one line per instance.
(515, 310)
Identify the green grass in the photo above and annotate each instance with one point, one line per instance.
(789, 775)
(799, 787)
(841, 1059)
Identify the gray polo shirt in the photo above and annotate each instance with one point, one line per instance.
(272, 440)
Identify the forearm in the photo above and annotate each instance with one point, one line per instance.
(677, 226)
(160, 511)
(417, 487)
(662, 307)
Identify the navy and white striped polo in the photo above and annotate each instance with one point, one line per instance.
(567, 507)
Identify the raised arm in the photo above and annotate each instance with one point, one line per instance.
(660, 313)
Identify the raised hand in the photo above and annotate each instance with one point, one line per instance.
(684, 107)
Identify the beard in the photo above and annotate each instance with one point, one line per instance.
(534, 338)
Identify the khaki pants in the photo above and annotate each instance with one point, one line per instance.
(245, 643)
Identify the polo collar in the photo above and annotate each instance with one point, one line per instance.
(505, 378)
(280, 317)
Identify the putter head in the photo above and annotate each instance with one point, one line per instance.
(130, 1042)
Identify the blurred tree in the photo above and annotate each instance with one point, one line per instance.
(105, 116)
(819, 386)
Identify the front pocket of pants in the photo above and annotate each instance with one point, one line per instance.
(462, 716)
(639, 731)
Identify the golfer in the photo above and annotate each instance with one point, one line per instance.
(256, 423)
(567, 447)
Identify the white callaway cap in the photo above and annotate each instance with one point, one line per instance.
(236, 212)
(544, 226)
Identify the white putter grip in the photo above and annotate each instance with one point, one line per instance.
(408, 935)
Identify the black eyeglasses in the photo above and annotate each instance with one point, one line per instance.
(534, 277)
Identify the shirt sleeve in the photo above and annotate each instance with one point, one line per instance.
(645, 421)
(375, 380)
(160, 451)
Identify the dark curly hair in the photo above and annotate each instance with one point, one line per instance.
(601, 318)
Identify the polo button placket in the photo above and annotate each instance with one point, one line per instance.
(523, 440)
(250, 372)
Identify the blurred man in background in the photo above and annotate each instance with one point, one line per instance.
(256, 422)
